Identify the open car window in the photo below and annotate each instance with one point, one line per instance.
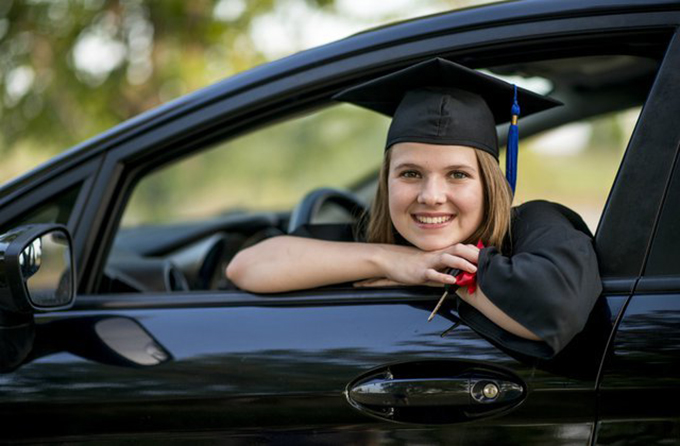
(187, 219)
(268, 170)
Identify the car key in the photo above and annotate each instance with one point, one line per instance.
(454, 272)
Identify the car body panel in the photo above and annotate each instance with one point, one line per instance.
(275, 367)
(640, 380)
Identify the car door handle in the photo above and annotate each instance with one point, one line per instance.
(426, 392)
(435, 391)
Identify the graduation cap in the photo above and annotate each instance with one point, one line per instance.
(441, 102)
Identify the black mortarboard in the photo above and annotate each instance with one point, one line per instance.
(441, 102)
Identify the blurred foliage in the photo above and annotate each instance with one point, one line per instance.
(70, 69)
(270, 169)
(73, 68)
(582, 179)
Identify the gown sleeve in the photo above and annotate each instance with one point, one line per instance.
(549, 284)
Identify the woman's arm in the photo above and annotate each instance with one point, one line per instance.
(289, 263)
(482, 303)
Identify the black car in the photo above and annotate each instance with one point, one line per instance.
(159, 346)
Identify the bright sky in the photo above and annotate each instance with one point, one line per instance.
(294, 26)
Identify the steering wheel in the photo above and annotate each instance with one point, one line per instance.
(310, 205)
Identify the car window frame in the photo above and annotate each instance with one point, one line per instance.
(26, 198)
(249, 109)
(636, 193)
(656, 283)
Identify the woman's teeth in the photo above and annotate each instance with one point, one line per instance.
(432, 220)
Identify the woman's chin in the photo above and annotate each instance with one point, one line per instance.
(432, 245)
(434, 240)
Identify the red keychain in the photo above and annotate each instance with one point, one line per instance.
(464, 278)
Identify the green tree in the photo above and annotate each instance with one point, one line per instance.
(73, 68)
(70, 69)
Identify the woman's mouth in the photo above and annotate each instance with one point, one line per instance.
(432, 220)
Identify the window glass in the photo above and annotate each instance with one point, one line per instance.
(57, 209)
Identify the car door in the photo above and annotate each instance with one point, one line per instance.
(639, 379)
(284, 369)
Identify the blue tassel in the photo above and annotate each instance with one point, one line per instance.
(513, 146)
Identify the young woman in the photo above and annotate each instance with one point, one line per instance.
(440, 192)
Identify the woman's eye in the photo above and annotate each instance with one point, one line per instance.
(409, 174)
(458, 175)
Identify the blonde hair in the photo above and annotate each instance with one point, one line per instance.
(497, 202)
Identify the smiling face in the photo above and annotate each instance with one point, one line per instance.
(435, 194)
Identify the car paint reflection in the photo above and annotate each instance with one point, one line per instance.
(235, 369)
(247, 350)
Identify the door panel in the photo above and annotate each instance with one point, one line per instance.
(641, 380)
(267, 372)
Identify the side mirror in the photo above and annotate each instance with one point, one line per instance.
(36, 269)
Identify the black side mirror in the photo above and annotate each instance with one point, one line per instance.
(36, 270)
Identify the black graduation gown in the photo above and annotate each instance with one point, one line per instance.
(548, 284)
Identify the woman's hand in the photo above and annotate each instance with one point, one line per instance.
(411, 266)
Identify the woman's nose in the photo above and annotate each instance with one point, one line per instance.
(432, 193)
